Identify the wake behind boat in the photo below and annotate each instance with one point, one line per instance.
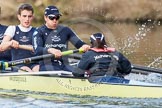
(61, 82)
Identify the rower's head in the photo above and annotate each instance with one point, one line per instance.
(98, 40)
(25, 15)
(52, 16)
(52, 11)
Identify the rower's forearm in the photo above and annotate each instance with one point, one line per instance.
(5, 46)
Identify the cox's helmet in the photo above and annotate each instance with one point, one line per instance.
(97, 38)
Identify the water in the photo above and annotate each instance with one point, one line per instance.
(89, 102)
(78, 102)
(140, 43)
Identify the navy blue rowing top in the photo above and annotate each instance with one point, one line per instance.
(58, 38)
(24, 38)
(92, 60)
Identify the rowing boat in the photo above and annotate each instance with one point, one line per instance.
(63, 83)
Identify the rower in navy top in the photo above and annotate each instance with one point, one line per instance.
(53, 38)
(4, 55)
(21, 35)
(101, 60)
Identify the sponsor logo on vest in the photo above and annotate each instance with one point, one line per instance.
(56, 46)
(102, 56)
(55, 38)
(24, 39)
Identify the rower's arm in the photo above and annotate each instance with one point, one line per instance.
(6, 43)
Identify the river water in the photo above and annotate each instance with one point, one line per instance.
(77, 102)
(92, 102)
(139, 42)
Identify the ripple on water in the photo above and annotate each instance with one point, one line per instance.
(78, 102)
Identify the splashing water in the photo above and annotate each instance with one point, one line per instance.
(156, 63)
(132, 42)
(150, 78)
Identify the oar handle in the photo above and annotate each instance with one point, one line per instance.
(26, 47)
(4, 65)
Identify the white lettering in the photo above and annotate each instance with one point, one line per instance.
(102, 56)
(56, 45)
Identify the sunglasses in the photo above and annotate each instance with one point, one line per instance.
(54, 17)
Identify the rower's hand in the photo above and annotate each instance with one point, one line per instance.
(14, 44)
(85, 47)
(55, 52)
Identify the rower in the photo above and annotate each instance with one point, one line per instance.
(16, 35)
(101, 60)
(4, 55)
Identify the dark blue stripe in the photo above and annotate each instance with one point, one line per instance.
(109, 79)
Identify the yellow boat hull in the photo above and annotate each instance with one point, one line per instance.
(74, 86)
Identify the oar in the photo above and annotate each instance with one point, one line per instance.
(4, 65)
(146, 69)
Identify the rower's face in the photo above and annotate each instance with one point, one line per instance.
(51, 22)
(25, 18)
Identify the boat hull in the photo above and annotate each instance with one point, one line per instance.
(74, 86)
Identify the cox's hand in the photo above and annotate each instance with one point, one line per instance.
(14, 44)
(55, 52)
(85, 47)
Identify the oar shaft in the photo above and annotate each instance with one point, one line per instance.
(146, 69)
(37, 58)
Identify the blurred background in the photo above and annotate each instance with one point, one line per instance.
(131, 26)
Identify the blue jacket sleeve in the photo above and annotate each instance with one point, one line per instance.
(38, 43)
(74, 39)
(85, 62)
(82, 66)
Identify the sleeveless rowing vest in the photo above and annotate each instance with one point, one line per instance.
(24, 38)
